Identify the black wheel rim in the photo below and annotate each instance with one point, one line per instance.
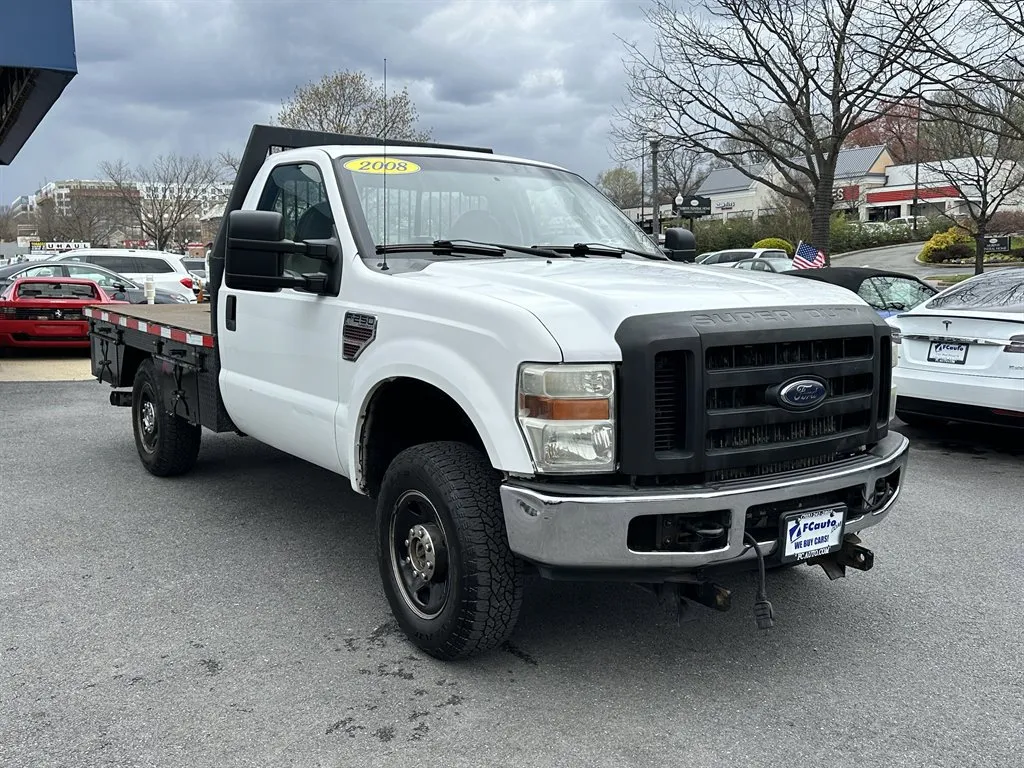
(149, 429)
(419, 555)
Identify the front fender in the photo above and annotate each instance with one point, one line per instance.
(487, 397)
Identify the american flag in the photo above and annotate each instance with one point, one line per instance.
(808, 257)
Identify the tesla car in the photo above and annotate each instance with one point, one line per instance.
(962, 353)
(888, 292)
(111, 282)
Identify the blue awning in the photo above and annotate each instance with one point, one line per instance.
(37, 61)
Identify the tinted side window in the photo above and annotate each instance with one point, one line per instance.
(726, 257)
(152, 265)
(119, 264)
(298, 193)
(42, 271)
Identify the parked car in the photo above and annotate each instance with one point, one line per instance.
(166, 268)
(47, 312)
(962, 353)
(907, 222)
(872, 226)
(887, 292)
(764, 264)
(196, 268)
(727, 257)
(114, 285)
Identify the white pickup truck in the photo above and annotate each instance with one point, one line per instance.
(520, 377)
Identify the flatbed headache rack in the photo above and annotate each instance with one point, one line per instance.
(265, 140)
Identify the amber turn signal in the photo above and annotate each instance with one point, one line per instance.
(561, 409)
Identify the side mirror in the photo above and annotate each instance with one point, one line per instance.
(680, 244)
(255, 249)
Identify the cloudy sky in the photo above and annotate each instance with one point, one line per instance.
(534, 78)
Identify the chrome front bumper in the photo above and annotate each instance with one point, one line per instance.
(589, 531)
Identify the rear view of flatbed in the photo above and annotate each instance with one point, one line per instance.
(177, 342)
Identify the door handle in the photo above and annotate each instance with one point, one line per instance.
(230, 313)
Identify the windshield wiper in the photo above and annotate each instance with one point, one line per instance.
(596, 249)
(464, 248)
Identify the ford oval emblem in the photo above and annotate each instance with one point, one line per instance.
(802, 394)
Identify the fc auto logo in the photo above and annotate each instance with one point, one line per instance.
(794, 530)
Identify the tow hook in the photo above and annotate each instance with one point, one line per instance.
(851, 555)
(677, 594)
(121, 399)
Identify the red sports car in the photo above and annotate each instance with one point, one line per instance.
(47, 312)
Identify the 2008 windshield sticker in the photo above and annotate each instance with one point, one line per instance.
(388, 165)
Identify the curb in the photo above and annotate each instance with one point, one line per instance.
(844, 254)
(944, 265)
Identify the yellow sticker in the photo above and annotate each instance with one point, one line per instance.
(388, 165)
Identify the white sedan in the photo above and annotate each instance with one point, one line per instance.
(962, 353)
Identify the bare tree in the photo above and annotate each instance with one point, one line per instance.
(622, 185)
(976, 46)
(165, 194)
(350, 102)
(89, 215)
(680, 170)
(728, 76)
(229, 163)
(983, 164)
(896, 128)
(8, 229)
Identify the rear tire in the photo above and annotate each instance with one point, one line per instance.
(453, 584)
(167, 444)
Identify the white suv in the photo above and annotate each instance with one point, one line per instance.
(166, 268)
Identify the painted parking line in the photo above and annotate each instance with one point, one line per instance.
(50, 368)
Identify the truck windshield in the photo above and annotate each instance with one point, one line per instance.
(484, 200)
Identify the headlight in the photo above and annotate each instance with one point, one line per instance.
(567, 413)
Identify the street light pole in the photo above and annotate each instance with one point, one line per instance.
(917, 161)
(643, 178)
(655, 208)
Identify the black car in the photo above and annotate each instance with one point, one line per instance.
(119, 288)
(888, 292)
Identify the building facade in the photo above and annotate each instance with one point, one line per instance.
(734, 194)
(925, 189)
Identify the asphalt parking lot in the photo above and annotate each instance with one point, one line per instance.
(235, 618)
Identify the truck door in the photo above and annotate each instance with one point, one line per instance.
(279, 363)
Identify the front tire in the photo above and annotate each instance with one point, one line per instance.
(167, 444)
(453, 584)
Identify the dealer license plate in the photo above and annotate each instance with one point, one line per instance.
(945, 352)
(812, 533)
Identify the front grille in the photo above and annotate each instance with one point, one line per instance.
(702, 393)
(777, 467)
(743, 430)
(734, 438)
(788, 353)
(669, 401)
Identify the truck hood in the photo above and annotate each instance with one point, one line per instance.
(582, 301)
